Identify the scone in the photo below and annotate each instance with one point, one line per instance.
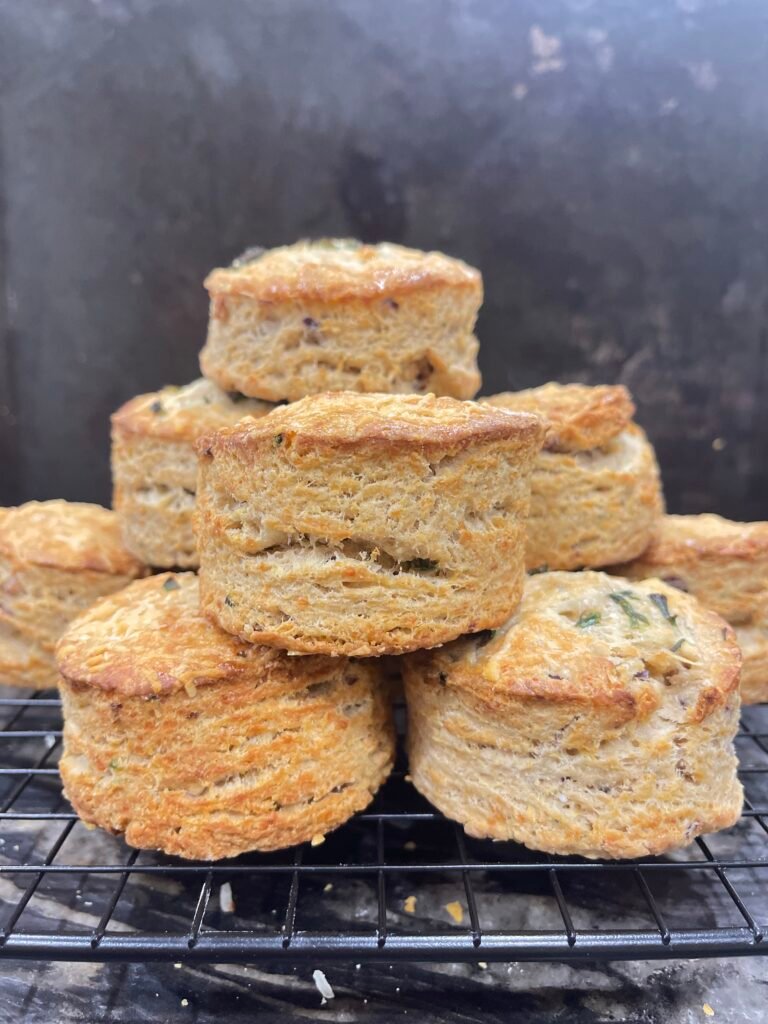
(56, 559)
(186, 740)
(365, 524)
(337, 315)
(595, 491)
(725, 565)
(598, 721)
(154, 465)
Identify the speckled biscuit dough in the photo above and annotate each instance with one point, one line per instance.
(184, 739)
(337, 315)
(154, 465)
(725, 565)
(365, 524)
(56, 558)
(598, 721)
(595, 490)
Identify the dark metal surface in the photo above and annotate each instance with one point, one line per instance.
(605, 166)
(345, 899)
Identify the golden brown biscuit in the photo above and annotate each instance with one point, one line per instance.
(337, 315)
(365, 524)
(595, 490)
(56, 559)
(598, 721)
(725, 565)
(187, 740)
(154, 465)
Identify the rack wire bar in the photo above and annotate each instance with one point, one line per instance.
(709, 900)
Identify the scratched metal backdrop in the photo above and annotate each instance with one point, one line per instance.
(604, 164)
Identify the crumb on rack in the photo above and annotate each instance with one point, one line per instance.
(328, 887)
(409, 845)
(456, 911)
(226, 902)
(409, 904)
(317, 840)
(323, 986)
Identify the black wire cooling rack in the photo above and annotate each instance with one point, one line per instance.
(398, 882)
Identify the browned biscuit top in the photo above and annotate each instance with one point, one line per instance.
(184, 413)
(67, 535)
(348, 420)
(579, 416)
(681, 539)
(591, 639)
(338, 270)
(150, 638)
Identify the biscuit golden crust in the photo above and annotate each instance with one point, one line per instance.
(56, 558)
(595, 490)
(365, 524)
(187, 740)
(338, 315)
(725, 565)
(598, 721)
(579, 416)
(154, 465)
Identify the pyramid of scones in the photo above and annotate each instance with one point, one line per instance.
(187, 740)
(598, 721)
(154, 465)
(365, 524)
(337, 315)
(56, 558)
(725, 565)
(595, 489)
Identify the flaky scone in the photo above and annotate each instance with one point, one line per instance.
(598, 721)
(365, 524)
(725, 565)
(56, 559)
(154, 465)
(187, 740)
(337, 315)
(595, 490)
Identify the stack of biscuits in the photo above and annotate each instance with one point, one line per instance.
(328, 496)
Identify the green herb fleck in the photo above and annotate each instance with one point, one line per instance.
(171, 584)
(156, 406)
(419, 565)
(588, 619)
(114, 765)
(676, 647)
(623, 599)
(279, 438)
(538, 569)
(229, 602)
(661, 603)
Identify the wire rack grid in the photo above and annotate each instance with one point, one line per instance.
(398, 882)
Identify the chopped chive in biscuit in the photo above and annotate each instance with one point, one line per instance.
(156, 406)
(171, 584)
(676, 646)
(279, 438)
(661, 603)
(229, 602)
(623, 599)
(587, 619)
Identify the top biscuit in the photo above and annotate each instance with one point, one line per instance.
(580, 416)
(70, 536)
(338, 270)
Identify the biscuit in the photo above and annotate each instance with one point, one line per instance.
(725, 565)
(184, 739)
(337, 315)
(154, 465)
(595, 490)
(598, 721)
(365, 524)
(56, 559)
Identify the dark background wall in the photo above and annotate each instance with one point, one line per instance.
(604, 163)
